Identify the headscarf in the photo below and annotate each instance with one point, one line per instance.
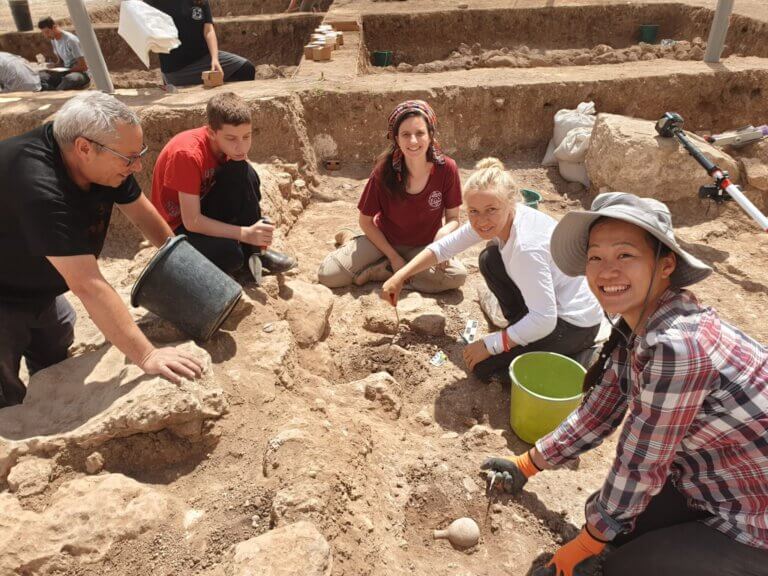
(424, 110)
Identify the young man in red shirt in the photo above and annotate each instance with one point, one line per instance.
(206, 189)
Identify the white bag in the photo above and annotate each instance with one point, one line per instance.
(574, 146)
(574, 172)
(566, 120)
(147, 29)
(549, 155)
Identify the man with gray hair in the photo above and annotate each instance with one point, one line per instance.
(59, 183)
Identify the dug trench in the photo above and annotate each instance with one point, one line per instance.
(331, 415)
(563, 32)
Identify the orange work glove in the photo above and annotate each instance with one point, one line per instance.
(570, 555)
(511, 473)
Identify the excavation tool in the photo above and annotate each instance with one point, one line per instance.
(671, 126)
(397, 314)
(255, 264)
(739, 137)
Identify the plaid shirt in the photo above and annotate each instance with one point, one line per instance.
(696, 408)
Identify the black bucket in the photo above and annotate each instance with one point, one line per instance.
(21, 16)
(182, 286)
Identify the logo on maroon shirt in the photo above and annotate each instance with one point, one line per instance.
(435, 199)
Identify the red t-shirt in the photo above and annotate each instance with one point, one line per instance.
(413, 221)
(186, 164)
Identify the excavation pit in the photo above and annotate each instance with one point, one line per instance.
(543, 37)
(276, 42)
(377, 469)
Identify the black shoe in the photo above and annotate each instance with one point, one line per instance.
(276, 262)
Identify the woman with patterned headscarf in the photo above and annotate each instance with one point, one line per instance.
(412, 198)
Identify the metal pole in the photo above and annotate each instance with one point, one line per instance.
(719, 31)
(90, 44)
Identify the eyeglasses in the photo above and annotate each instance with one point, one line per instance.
(129, 160)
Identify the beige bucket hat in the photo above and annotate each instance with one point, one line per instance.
(571, 235)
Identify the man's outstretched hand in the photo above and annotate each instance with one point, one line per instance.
(172, 363)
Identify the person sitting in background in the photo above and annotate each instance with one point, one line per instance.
(687, 493)
(16, 75)
(199, 50)
(205, 188)
(412, 198)
(60, 183)
(537, 307)
(68, 54)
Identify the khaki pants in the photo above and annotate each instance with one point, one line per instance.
(342, 265)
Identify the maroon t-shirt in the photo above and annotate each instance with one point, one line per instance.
(413, 221)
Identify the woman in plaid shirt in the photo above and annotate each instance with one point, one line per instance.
(688, 489)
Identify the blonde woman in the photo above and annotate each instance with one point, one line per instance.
(536, 306)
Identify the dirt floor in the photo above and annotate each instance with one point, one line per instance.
(376, 486)
(377, 472)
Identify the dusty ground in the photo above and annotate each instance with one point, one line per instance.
(376, 475)
(380, 485)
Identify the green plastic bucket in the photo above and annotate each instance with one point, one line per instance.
(382, 58)
(648, 33)
(546, 388)
(531, 197)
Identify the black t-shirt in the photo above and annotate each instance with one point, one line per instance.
(44, 213)
(189, 16)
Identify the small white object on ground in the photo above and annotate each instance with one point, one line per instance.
(438, 359)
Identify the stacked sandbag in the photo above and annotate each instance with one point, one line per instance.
(570, 142)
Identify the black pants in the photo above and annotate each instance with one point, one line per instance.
(233, 199)
(41, 335)
(565, 339)
(669, 541)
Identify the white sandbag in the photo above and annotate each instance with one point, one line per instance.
(147, 29)
(566, 120)
(574, 172)
(574, 146)
(549, 155)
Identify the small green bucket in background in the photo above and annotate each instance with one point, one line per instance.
(382, 58)
(649, 33)
(531, 197)
(546, 388)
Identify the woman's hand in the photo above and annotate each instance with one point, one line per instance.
(216, 66)
(390, 290)
(475, 353)
(396, 262)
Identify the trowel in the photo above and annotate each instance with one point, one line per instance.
(255, 265)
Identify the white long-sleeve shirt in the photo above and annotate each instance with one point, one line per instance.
(16, 75)
(548, 293)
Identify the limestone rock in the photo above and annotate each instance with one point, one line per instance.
(84, 518)
(423, 315)
(378, 315)
(627, 155)
(94, 463)
(424, 417)
(271, 351)
(756, 173)
(91, 399)
(302, 500)
(309, 308)
(379, 388)
(30, 476)
(285, 446)
(294, 550)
